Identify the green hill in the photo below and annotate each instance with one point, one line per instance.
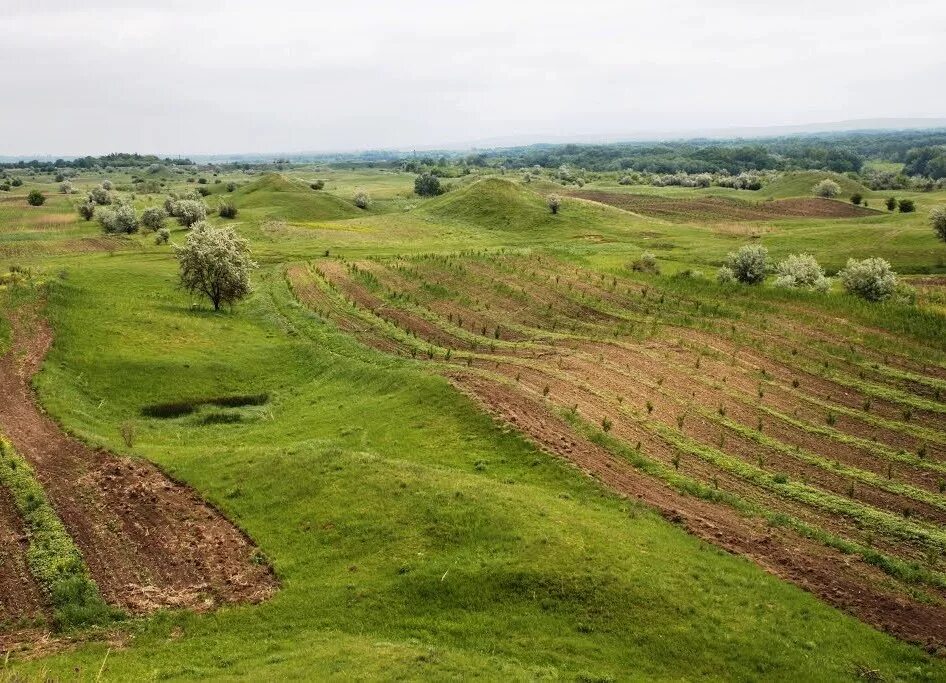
(799, 184)
(291, 199)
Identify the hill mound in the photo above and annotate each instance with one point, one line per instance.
(799, 184)
(291, 199)
(492, 203)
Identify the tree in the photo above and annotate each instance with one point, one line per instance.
(856, 198)
(66, 187)
(153, 218)
(215, 262)
(87, 210)
(189, 211)
(891, 203)
(554, 202)
(107, 185)
(317, 185)
(35, 198)
(938, 221)
(162, 236)
(826, 188)
(362, 199)
(801, 271)
(121, 219)
(906, 206)
(227, 210)
(427, 185)
(872, 279)
(100, 196)
(749, 264)
(231, 186)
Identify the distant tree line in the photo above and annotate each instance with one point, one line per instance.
(115, 160)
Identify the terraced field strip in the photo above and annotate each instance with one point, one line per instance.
(148, 542)
(662, 378)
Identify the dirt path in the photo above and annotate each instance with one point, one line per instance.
(149, 542)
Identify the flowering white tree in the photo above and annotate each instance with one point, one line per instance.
(872, 279)
(801, 271)
(826, 188)
(215, 262)
(553, 201)
(749, 264)
(938, 221)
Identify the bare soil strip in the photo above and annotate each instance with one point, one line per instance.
(20, 596)
(149, 542)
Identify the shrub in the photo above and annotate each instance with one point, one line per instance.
(227, 210)
(725, 275)
(153, 217)
(202, 181)
(891, 203)
(647, 263)
(906, 206)
(121, 219)
(801, 271)
(826, 188)
(107, 185)
(856, 199)
(938, 221)
(318, 185)
(100, 196)
(4, 187)
(872, 279)
(554, 202)
(625, 180)
(66, 187)
(427, 185)
(189, 211)
(362, 200)
(86, 210)
(748, 265)
(231, 186)
(162, 236)
(35, 198)
(215, 263)
(203, 191)
(16, 182)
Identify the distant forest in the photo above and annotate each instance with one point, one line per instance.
(922, 152)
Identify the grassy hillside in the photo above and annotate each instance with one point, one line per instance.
(279, 196)
(799, 184)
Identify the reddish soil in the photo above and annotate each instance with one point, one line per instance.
(20, 596)
(149, 542)
(838, 579)
(708, 209)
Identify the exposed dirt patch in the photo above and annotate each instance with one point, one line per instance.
(709, 209)
(20, 596)
(149, 542)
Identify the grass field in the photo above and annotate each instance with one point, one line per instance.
(415, 534)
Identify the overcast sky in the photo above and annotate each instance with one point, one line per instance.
(277, 75)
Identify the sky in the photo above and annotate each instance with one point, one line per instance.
(207, 77)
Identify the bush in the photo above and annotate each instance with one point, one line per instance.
(826, 188)
(4, 187)
(554, 202)
(231, 186)
(227, 210)
(121, 219)
(872, 279)
(856, 199)
(215, 263)
(162, 236)
(938, 221)
(66, 187)
(749, 264)
(189, 211)
(35, 198)
(16, 182)
(891, 203)
(318, 185)
(202, 181)
(725, 275)
(427, 185)
(906, 206)
(86, 210)
(361, 199)
(647, 263)
(100, 196)
(801, 271)
(107, 185)
(203, 191)
(153, 217)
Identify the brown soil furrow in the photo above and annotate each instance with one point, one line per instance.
(149, 541)
(838, 579)
(20, 597)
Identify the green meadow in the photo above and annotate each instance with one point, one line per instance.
(414, 537)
